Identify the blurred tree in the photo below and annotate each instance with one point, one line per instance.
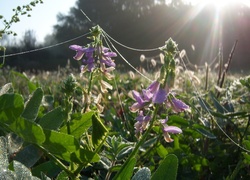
(148, 24)
(29, 40)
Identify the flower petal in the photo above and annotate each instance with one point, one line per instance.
(178, 105)
(167, 137)
(135, 107)
(137, 97)
(110, 54)
(108, 62)
(172, 129)
(79, 51)
(160, 96)
(154, 86)
(77, 48)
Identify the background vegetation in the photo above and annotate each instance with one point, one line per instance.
(144, 24)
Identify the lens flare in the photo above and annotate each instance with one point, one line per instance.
(218, 3)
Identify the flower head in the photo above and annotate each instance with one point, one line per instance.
(169, 129)
(79, 51)
(106, 58)
(146, 97)
(178, 105)
(103, 56)
(142, 122)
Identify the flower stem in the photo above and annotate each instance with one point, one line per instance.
(58, 162)
(140, 142)
(88, 92)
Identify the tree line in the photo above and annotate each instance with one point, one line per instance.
(142, 24)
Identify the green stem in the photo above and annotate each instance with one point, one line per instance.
(140, 142)
(244, 134)
(80, 167)
(149, 150)
(109, 171)
(68, 112)
(89, 90)
(58, 162)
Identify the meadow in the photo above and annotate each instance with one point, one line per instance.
(162, 121)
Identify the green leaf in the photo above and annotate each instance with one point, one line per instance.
(32, 107)
(48, 100)
(167, 170)
(52, 120)
(161, 151)
(29, 131)
(219, 115)
(3, 154)
(219, 108)
(177, 120)
(245, 81)
(60, 144)
(205, 106)
(85, 156)
(240, 114)
(49, 168)
(127, 172)
(32, 86)
(28, 156)
(246, 158)
(203, 131)
(79, 125)
(246, 144)
(99, 131)
(62, 176)
(11, 107)
(142, 174)
(44, 177)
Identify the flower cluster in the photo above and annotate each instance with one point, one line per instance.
(156, 95)
(102, 53)
(97, 60)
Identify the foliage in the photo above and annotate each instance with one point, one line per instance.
(202, 150)
(102, 124)
(24, 10)
(67, 132)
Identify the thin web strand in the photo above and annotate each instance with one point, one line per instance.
(198, 95)
(124, 59)
(85, 15)
(43, 48)
(199, 67)
(131, 48)
(116, 86)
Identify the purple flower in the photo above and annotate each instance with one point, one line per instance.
(142, 122)
(90, 62)
(160, 96)
(178, 105)
(101, 52)
(88, 52)
(146, 97)
(169, 129)
(106, 56)
(79, 51)
(140, 102)
(106, 59)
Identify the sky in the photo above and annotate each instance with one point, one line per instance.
(43, 16)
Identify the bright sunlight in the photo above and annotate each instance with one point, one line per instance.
(218, 3)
